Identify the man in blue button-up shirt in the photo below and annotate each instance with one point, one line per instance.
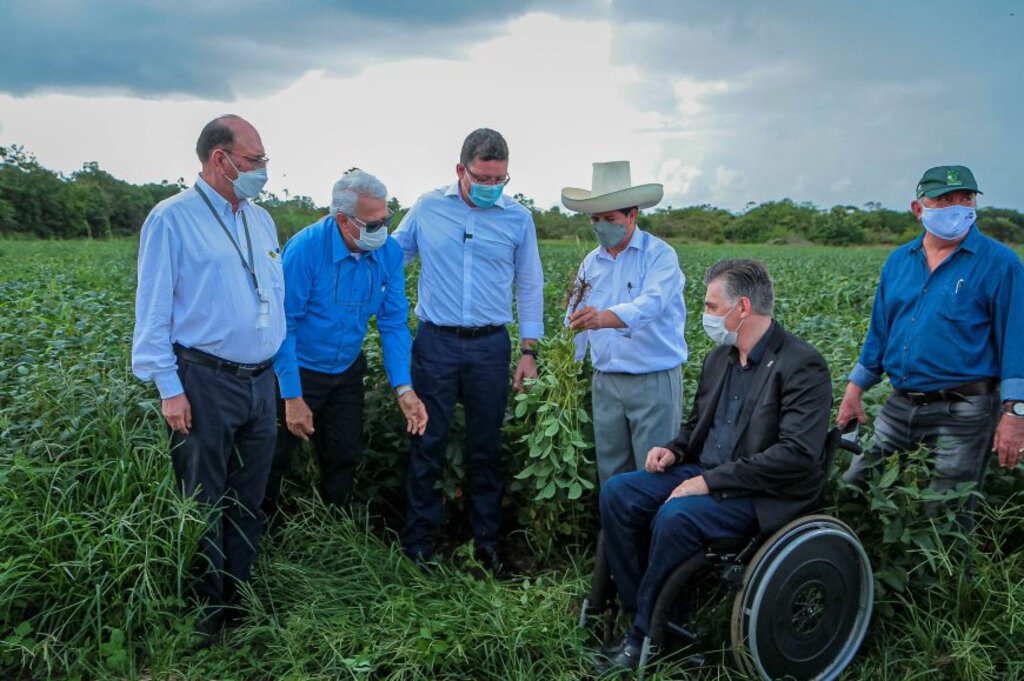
(629, 308)
(947, 327)
(339, 272)
(209, 317)
(475, 245)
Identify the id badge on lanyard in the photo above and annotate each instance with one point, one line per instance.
(263, 320)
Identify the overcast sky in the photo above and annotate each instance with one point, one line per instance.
(724, 102)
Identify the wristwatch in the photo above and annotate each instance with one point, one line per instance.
(1014, 408)
(403, 389)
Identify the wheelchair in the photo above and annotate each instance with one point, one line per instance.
(803, 596)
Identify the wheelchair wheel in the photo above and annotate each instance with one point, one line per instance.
(805, 602)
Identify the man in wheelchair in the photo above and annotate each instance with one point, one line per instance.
(746, 461)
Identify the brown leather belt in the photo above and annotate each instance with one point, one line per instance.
(985, 386)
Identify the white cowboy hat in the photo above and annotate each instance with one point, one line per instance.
(612, 190)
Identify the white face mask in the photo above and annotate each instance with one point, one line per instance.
(714, 326)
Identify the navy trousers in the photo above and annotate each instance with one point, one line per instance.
(645, 537)
(474, 371)
(224, 461)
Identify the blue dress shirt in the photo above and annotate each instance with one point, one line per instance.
(330, 296)
(194, 290)
(958, 324)
(643, 286)
(470, 257)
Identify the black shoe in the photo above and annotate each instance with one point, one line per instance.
(208, 630)
(627, 659)
(488, 557)
(422, 560)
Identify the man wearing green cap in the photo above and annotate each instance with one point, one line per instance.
(947, 327)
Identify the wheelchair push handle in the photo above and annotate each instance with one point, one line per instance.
(848, 439)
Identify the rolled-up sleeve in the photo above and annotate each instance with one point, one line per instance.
(153, 356)
(663, 281)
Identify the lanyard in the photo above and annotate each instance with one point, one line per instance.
(249, 266)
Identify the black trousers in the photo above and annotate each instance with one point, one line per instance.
(224, 462)
(336, 401)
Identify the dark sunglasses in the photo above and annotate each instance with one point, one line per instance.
(374, 225)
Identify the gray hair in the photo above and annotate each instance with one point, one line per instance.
(744, 278)
(351, 186)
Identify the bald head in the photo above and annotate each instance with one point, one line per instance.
(221, 133)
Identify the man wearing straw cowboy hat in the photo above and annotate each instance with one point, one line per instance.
(632, 315)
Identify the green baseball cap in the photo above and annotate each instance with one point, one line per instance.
(944, 179)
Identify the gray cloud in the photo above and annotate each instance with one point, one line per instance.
(832, 102)
(218, 50)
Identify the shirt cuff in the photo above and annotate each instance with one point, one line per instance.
(400, 377)
(289, 383)
(1012, 389)
(531, 329)
(864, 378)
(168, 384)
(627, 313)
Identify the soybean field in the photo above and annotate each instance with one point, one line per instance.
(95, 539)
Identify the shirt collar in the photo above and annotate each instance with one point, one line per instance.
(757, 352)
(222, 205)
(453, 190)
(969, 243)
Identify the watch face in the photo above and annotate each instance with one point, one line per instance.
(1017, 408)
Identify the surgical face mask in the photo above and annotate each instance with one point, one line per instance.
(948, 223)
(714, 327)
(609, 234)
(249, 184)
(369, 240)
(485, 195)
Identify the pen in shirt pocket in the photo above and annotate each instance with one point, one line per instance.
(958, 285)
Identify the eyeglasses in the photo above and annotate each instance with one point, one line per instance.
(487, 180)
(255, 161)
(373, 225)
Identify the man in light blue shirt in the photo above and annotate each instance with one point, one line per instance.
(209, 317)
(339, 272)
(628, 305)
(475, 245)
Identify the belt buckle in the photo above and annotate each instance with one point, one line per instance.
(245, 370)
(916, 396)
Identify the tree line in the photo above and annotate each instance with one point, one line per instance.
(91, 203)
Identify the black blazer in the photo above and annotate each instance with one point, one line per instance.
(779, 458)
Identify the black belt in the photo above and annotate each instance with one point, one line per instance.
(985, 386)
(207, 360)
(468, 331)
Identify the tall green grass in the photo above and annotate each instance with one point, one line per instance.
(94, 538)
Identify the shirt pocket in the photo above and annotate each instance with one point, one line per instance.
(272, 270)
(958, 299)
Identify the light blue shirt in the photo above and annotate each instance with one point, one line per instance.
(643, 286)
(470, 257)
(194, 290)
(330, 296)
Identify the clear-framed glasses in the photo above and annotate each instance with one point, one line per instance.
(254, 161)
(481, 179)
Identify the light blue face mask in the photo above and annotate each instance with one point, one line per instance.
(948, 223)
(371, 241)
(249, 184)
(609, 234)
(485, 195)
